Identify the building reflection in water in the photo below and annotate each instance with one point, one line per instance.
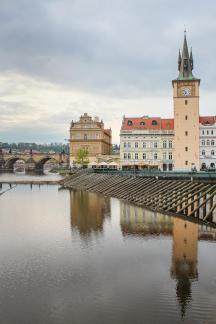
(184, 260)
(141, 222)
(88, 213)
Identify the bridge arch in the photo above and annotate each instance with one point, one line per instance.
(9, 163)
(41, 162)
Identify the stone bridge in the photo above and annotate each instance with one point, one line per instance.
(33, 161)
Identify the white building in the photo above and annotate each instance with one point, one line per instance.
(147, 143)
(208, 142)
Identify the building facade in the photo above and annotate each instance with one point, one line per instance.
(207, 142)
(89, 134)
(147, 143)
(186, 113)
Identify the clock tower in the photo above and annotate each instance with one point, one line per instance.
(186, 113)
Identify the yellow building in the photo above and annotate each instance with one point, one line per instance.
(186, 113)
(89, 134)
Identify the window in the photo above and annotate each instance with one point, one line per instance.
(144, 144)
(186, 102)
(164, 144)
(136, 156)
(170, 155)
(129, 156)
(203, 152)
(207, 142)
(212, 152)
(186, 133)
(207, 132)
(203, 142)
(130, 123)
(212, 132)
(186, 117)
(144, 156)
(164, 155)
(203, 132)
(125, 145)
(155, 156)
(212, 142)
(186, 149)
(125, 156)
(186, 162)
(129, 144)
(154, 122)
(170, 144)
(142, 123)
(155, 145)
(85, 137)
(136, 144)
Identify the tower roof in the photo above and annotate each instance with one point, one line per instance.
(185, 62)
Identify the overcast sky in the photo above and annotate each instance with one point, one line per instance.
(109, 58)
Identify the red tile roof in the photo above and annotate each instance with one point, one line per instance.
(207, 120)
(153, 123)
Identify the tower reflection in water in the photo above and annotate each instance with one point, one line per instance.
(185, 235)
(88, 213)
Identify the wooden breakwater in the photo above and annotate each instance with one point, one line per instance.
(184, 198)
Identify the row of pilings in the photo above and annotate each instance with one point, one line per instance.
(184, 198)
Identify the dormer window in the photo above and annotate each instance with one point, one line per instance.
(130, 123)
(142, 123)
(154, 122)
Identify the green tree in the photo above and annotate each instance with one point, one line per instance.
(82, 157)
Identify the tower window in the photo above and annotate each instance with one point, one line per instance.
(186, 148)
(186, 102)
(186, 117)
(186, 162)
(186, 133)
(129, 123)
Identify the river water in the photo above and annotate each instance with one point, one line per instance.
(76, 257)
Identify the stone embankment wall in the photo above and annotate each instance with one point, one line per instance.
(191, 199)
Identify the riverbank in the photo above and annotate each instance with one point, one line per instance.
(190, 199)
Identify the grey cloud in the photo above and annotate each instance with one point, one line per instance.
(114, 47)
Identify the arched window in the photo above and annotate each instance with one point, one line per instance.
(136, 144)
(207, 142)
(125, 156)
(154, 122)
(212, 152)
(212, 142)
(129, 156)
(170, 144)
(212, 165)
(164, 144)
(203, 142)
(85, 137)
(155, 145)
(144, 156)
(130, 123)
(203, 152)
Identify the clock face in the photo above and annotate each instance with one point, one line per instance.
(186, 92)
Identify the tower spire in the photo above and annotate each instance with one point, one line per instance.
(185, 62)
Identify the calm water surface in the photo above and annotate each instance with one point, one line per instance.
(76, 257)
